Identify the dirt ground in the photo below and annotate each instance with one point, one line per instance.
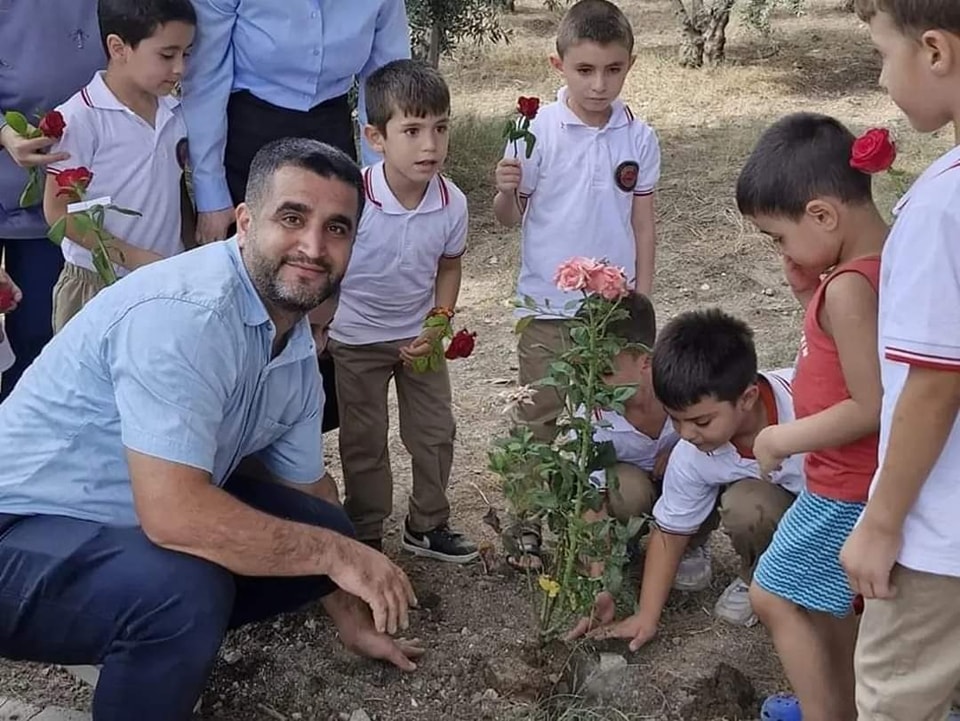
(476, 625)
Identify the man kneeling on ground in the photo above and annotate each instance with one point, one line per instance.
(127, 536)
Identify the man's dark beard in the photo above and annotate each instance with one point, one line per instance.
(265, 276)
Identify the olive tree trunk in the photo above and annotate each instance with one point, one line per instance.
(703, 28)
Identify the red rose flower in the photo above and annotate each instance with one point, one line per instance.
(6, 298)
(874, 151)
(461, 346)
(528, 107)
(73, 182)
(52, 125)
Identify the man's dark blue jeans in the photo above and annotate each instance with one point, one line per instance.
(76, 592)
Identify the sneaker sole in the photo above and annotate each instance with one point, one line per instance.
(437, 556)
(701, 585)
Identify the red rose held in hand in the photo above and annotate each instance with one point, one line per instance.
(461, 346)
(874, 151)
(528, 107)
(6, 298)
(52, 125)
(73, 182)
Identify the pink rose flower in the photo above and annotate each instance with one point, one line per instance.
(607, 281)
(573, 273)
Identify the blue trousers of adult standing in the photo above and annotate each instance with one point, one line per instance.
(34, 264)
(76, 592)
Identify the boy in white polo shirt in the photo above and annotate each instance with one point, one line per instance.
(904, 556)
(587, 189)
(641, 439)
(405, 267)
(705, 374)
(126, 128)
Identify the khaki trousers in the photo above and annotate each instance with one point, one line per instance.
(908, 650)
(749, 511)
(427, 430)
(538, 346)
(75, 288)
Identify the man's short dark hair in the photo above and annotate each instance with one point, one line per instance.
(800, 158)
(598, 21)
(913, 17)
(701, 354)
(639, 327)
(320, 158)
(410, 87)
(135, 20)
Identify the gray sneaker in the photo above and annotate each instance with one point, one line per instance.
(695, 570)
(441, 544)
(734, 607)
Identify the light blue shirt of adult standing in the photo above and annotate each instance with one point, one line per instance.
(173, 362)
(294, 54)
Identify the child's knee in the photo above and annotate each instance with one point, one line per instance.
(634, 494)
(769, 607)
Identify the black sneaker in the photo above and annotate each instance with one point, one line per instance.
(441, 544)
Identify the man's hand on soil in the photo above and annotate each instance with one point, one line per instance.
(374, 579)
(358, 634)
(602, 615)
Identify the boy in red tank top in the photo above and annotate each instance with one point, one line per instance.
(798, 188)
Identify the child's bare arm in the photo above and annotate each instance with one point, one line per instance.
(449, 274)
(850, 317)
(643, 220)
(121, 253)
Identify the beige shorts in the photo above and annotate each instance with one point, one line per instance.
(74, 289)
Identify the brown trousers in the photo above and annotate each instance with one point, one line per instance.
(908, 650)
(75, 288)
(427, 430)
(749, 511)
(538, 346)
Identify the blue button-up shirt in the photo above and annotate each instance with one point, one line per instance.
(173, 361)
(49, 49)
(294, 54)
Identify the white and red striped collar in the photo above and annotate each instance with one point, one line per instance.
(380, 196)
(949, 162)
(96, 94)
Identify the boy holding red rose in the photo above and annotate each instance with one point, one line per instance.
(396, 303)
(904, 555)
(123, 132)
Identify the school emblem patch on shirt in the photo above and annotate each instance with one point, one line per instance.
(626, 175)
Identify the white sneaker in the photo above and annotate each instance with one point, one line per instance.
(734, 607)
(695, 570)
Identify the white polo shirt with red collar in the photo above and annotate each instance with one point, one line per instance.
(390, 283)
(579, 185)
(694, 480)
(919, 326)
(138, 165)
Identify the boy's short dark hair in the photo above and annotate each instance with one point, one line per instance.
(801, 157)
(914, 16)
(598, 21)
(639, 327)
(135, 20)
(702, 354)
(411, 87)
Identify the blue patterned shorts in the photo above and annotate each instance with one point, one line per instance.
(802, 563)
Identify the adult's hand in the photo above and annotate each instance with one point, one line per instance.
(868, 557)
(373, 578)
(355, 627)
(28, 153)
(214, 225)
